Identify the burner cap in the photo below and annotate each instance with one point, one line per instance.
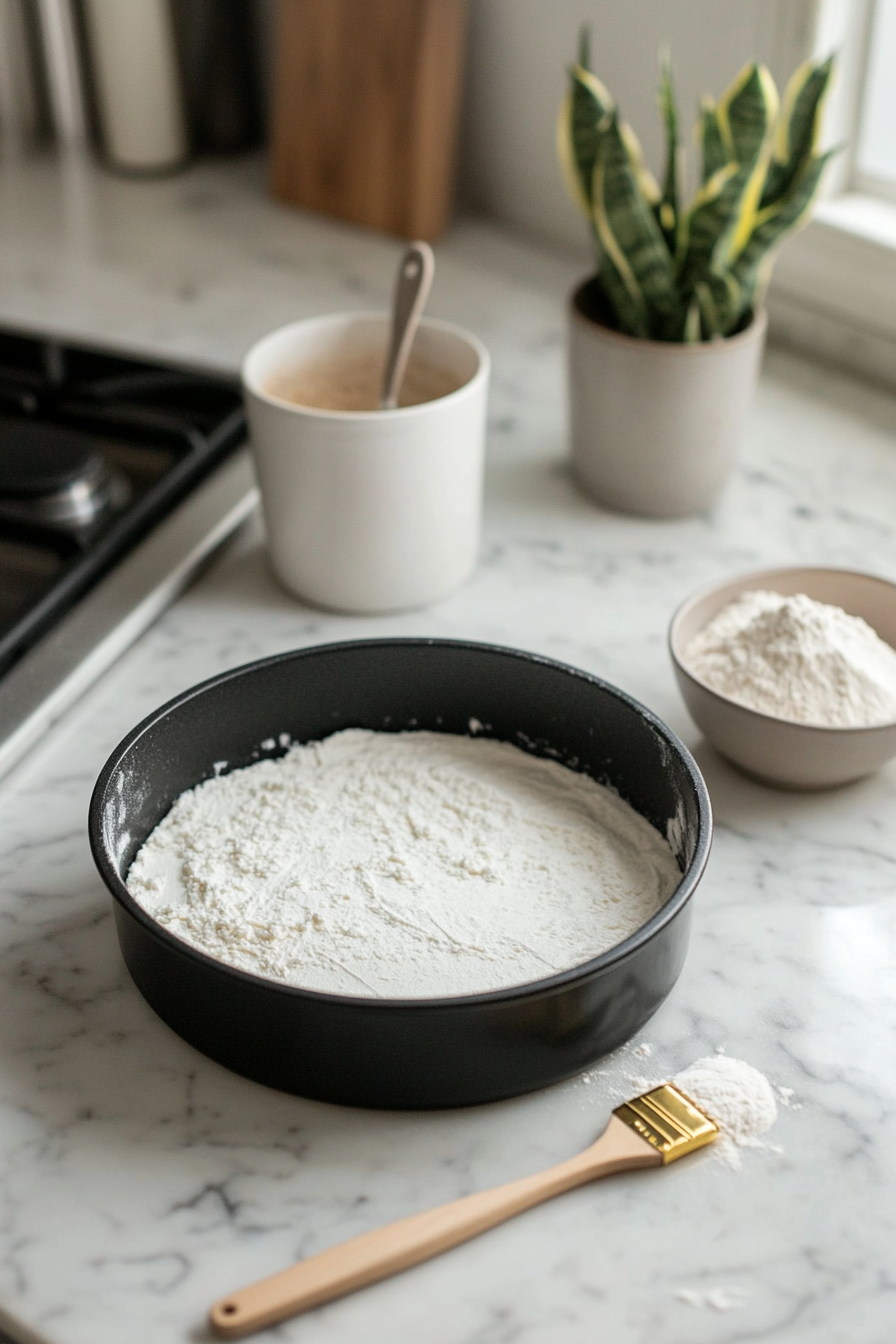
(44, 459)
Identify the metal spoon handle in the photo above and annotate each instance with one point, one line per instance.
(411, 292)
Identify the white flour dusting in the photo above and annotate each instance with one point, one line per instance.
(718, 1299)
(403, 864)
(797, 659)
(734, 1094)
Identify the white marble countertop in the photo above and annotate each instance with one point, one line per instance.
(139, 1181)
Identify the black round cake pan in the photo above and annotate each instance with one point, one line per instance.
(420, 1053)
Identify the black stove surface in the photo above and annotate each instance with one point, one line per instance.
(94, 449)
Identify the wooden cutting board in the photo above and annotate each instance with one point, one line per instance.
(366, 104)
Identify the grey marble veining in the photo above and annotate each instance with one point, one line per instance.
(139, 1181)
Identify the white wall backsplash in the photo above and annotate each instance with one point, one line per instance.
(518, 53)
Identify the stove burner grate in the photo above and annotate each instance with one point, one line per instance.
(55, 477)
(95, 449)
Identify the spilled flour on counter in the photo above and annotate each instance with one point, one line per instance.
(403, 864)
(797, 659)
(717, 1299)
(734, 1094)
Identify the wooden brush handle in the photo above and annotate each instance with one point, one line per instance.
(389, 1250)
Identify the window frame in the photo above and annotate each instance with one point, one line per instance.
(834, 287)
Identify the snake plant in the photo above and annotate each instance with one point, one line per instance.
(694, 272)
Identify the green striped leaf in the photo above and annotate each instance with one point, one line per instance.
(646, 181)
(799, 126)
(630, 237)
(692, 332)
(729, 300)
(582, 112)
(712, 146)
(628, 314)
(707, 222)
(711, 321)
(568, 158)
(690, 274)
(752, 269)
(720, 304)
(747, 113)
(669, 204)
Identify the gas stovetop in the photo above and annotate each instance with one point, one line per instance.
(118, 477)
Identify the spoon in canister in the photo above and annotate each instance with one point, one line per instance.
(647, 1131)
(411, 292)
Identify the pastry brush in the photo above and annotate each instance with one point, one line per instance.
(648, 1131)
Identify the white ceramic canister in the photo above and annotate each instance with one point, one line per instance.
(135, 65)
(656, 425)
(369, 511)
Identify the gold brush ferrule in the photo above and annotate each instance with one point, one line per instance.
(669, 1121)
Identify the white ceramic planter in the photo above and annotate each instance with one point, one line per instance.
(369, 511)
(655, 426)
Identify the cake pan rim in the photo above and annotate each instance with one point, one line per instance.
(527, 990)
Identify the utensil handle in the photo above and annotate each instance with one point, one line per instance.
(411, 292)
(391, 1249)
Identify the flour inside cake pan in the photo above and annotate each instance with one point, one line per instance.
(403, 865)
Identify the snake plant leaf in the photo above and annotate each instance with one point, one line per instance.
(752, 268)
(646, 181)
(616, 274)
(706, 223)
(567, 157)
(688, 274)
(669, 204)
(799, 126)
(712, 147)
(692, 331)
(711, 322)
(629, 316)
(721, 304)
(747, 113)
(582, 111)
(630, 237)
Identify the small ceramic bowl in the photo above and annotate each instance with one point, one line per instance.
(790, 755)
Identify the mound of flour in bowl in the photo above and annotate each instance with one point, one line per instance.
(403, 865)
(797, 659)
